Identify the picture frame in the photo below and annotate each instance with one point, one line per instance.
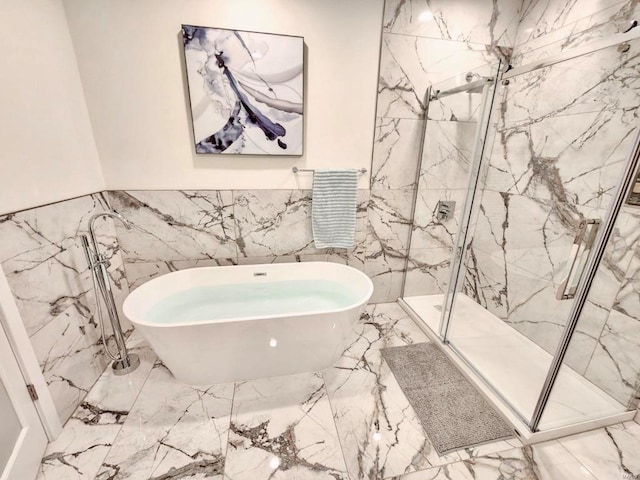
(246, 91)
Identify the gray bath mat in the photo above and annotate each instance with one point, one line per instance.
(453, 413)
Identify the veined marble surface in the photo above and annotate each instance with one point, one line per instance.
(42, 257)
(283, 428)
(87, 437)
(550, 26)
(396, 142)
(447, 156)
(176, 225)
(173, 230)
(408, 65)
(492, 23)
(428, 271)
(351, 421)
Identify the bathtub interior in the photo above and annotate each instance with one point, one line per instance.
(218, 294)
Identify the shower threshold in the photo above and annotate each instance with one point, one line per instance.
(516, 367)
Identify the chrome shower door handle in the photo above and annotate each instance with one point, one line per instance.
(580, 250)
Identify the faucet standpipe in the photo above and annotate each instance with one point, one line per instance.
(98, 263)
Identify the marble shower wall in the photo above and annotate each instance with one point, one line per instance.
(44, 263)
(425, 43)
(552, 26)
(561, 136)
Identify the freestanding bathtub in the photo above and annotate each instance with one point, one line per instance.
(223, 324)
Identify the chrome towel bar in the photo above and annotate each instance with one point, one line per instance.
(304, 170)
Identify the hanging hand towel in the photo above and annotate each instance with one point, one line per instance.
(333, 210)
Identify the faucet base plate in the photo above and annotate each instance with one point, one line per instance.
(123, 367)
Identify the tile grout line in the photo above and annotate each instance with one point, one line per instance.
(117, 435)
(558, 440)
(335, 424)
(226, 450)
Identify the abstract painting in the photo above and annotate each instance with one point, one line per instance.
(246, 91)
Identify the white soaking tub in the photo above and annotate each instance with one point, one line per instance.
(223, 324)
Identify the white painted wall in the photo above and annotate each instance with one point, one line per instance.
(47, 151)
(129, 55)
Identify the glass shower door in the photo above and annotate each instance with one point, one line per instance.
(560, 137)
(454, 136)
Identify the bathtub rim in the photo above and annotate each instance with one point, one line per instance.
(146, 286)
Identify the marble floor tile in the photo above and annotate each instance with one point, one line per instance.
(173, 431)
(380, 433)
(87, 437)
(79, 451)
(282, 428)
(611, 452)
(351, 421)
(545, 461)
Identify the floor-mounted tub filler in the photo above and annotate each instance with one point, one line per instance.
(223, 324)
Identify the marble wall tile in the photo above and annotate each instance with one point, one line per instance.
(389, 220)
(615, 366)
(395, 153)
(448, 150)
(386, 271)
(428, 271)
(141, 272)
(283, 427)
(609, 21)
(428, 230)
(542, 319)
(628, 298)
(408, 65)
(42, 257)
(273, 222)
(278, 222)
(527, 303)
(71, 357)
(463, 107)
(575, 158)
(534, 234)
(46, 268)
(623, 259)
(493, 23)
(485, 280)
(172, 430)
(602, 80)
(176, 225)
(542, 18)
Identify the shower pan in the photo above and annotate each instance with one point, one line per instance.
(521, 286)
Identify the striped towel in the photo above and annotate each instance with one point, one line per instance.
(333, 210)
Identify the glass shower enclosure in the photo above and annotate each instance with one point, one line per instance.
(521, 241)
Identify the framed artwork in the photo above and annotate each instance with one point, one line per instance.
(246, 91)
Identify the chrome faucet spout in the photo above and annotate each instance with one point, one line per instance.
(92, 230)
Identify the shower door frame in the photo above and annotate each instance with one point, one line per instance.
(596, 254)
(475, 174)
